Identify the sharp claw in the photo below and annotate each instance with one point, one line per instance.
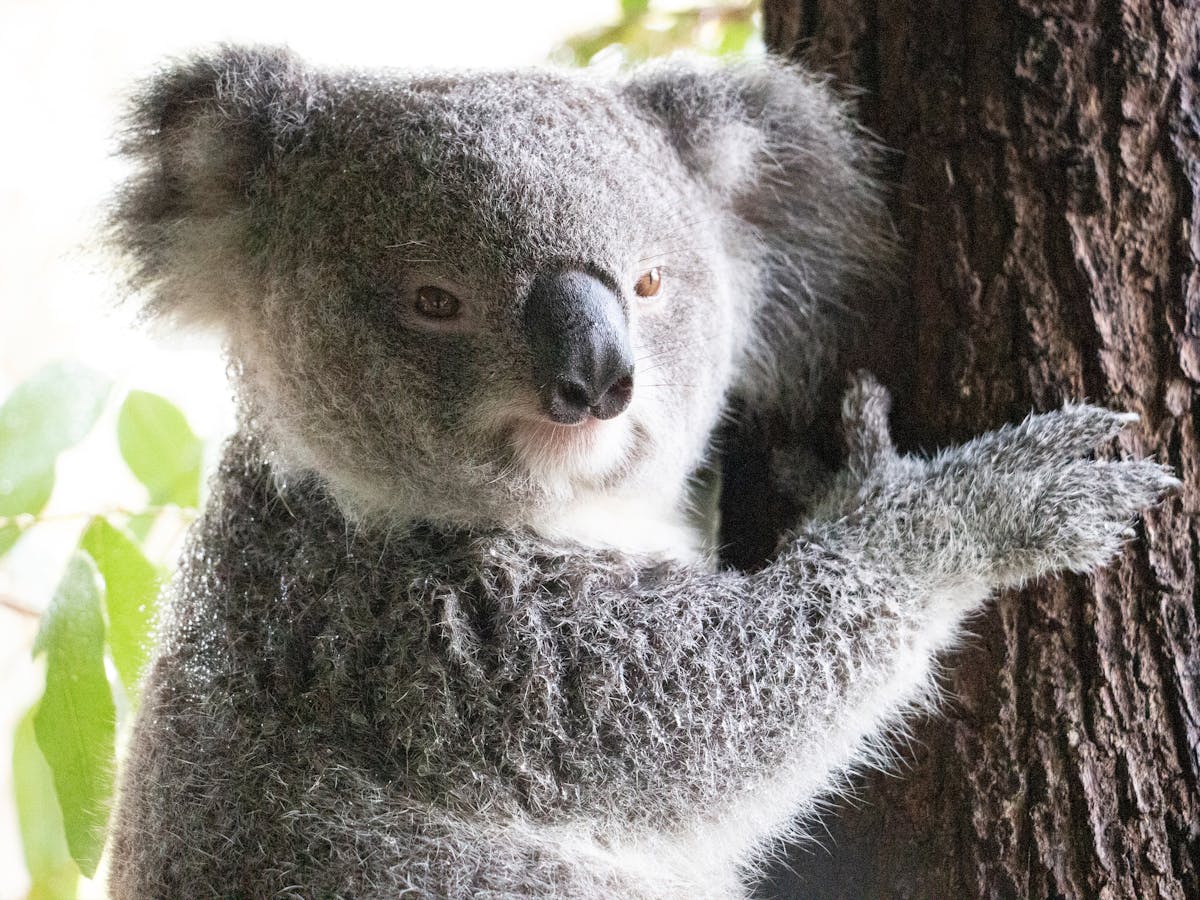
(1170, 486)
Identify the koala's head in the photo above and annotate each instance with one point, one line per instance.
(474, 297)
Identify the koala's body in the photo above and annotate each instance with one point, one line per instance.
(446, 627)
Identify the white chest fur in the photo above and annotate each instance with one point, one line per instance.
(639, 527)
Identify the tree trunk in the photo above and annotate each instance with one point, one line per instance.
(1047, 176)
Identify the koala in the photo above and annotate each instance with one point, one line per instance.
(449, 625)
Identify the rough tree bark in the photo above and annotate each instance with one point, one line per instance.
(1047, 184)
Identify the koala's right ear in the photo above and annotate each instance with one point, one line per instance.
(203, 135)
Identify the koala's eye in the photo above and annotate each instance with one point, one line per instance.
(435, 303)
(649, 284)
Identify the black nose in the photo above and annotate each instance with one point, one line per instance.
(582, 360)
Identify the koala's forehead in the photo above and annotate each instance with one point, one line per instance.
(511, 164)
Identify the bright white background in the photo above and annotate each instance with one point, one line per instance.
(64, 68)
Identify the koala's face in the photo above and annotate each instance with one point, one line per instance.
(465, 298)
(485, 294)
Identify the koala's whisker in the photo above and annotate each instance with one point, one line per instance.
(648, 369)
(658, 365)
(666, 353)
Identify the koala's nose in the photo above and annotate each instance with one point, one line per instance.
(579, 337)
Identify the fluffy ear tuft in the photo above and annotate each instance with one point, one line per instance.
(783, 156)
(202, 135)
(698, 105)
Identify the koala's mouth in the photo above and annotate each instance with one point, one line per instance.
(561, 436)
(591, 448)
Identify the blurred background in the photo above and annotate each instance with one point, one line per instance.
(107, 428)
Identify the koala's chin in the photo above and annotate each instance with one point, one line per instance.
(559, 455)
(608, 484)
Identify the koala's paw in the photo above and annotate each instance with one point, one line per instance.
(1074, 517)
(1039, 505)
(1023, 501)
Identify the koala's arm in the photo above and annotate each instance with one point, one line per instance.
(734, 697)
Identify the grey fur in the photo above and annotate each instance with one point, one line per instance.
(375, 675)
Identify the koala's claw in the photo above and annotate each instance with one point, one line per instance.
(1042, 439)
(1075, 516)
(865, 408)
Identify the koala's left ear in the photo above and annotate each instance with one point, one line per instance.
(780, 152)
(204, 134)
(751, 126)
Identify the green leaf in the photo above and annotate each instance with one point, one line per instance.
(8, 536)
(42, 417)
(75, 722)
(160, 448)
(47, 859)
(26, 492)
(131, 586)
(139, 525)
(736, 36)
(632, 8)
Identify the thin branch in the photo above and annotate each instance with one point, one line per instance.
(25, 520)
(15, 605)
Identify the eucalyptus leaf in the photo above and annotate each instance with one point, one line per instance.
(42, 417)
(735, 36)
(632, 8)
(75, 722)
(53, 873)
(9, 532)
(160, 448)
(131, 586)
